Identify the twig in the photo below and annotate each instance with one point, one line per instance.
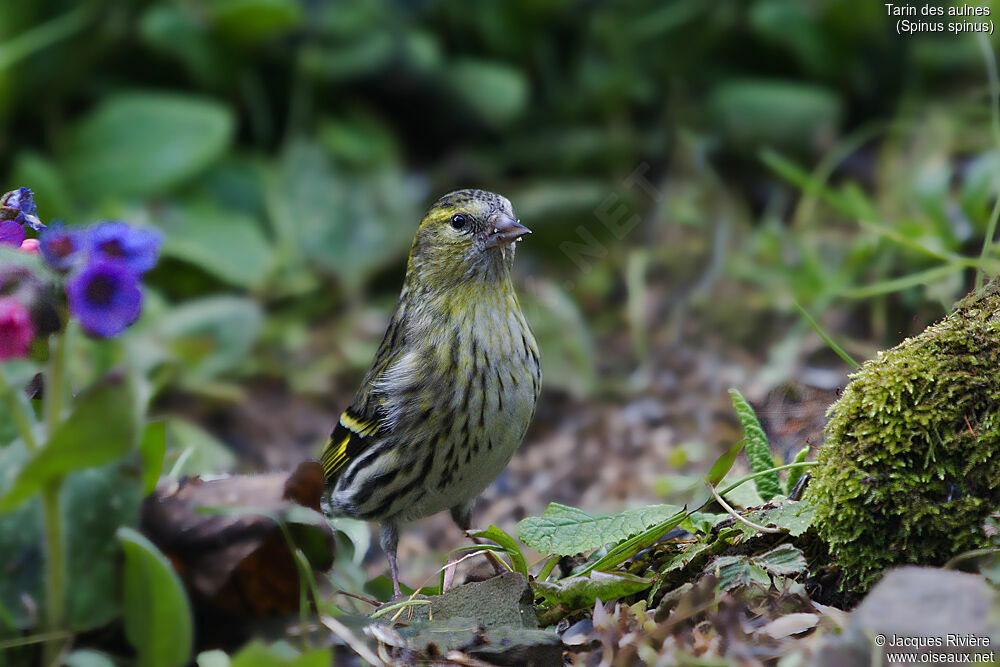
(374, 603)
(349, 638)
(733, 513)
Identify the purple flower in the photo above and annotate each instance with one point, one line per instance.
(16, 329)
(116, 241)
(61, 246)
(22, 199)
(21, 208)
(105, 297)
(11, 233)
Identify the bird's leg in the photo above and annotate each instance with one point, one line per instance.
(462, 515)
(388, 540)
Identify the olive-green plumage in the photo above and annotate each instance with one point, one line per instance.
(453, 386)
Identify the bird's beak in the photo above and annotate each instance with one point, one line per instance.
(505, 230)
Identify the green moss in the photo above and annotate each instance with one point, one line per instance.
(911, 465)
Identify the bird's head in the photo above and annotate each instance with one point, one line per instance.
(466, 234)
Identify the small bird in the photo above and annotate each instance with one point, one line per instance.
(454, 384)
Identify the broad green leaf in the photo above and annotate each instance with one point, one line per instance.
(226, 244)
(248, 21)
(702, 522)
(153, 448)
(179, 32)
(581, 592)
(684, 558)
(47, 182)
(214, 658)
(94, 503)
(752, 113)
(145, 143)
(497, 93)
(757, 446)
(18, 373)
(737, 571)
(733, 571)
(210, 336)
(21, 590)
(197, 451)
(343, 223)
(564, 334)
(724, 464)
(101, 428)
(509, 545)
(157, 614)
(795, 517)
(88, 658)
(279, 654)
(784, 560)
(567, 530)
(634, 545)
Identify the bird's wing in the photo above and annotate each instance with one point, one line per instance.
(350, 437)
(362, 421)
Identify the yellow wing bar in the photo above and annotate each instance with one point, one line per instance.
(346, 441)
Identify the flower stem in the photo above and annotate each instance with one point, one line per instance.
(55, 566)
(55, 586)
(21, 418)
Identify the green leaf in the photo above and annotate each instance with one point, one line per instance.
(758, 112)
(145, 143)
(201, 452)
(179, 32)
(784, 560)
(153, 448)
(724, 464)
(247, 21)
(343, 223)
(212, 335)
(581, 592)
(758, 448)
(94, 503)
(683, 559)
(567, 530)
(737, 571)
(20, 534)
(795, 517)
(509, 545)
(564, 334)
(18, 373)
(279, 654)
(634, 545)
(226, 244)
(101, 429)
(88, 658)
(47, 182)
(157, 614)
(494, 91)
(795, 474)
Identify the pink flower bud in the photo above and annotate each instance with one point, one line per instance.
(16, 329)
(30, 245)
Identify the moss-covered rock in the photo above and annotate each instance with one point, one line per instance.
(911, 465)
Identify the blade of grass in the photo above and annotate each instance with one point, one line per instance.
(829, 341)
(989, 58)
(903, 282)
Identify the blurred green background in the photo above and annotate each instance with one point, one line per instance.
(691, 171)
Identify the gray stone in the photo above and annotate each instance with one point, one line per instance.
(492, 620)
(938, 615)
(502, 601)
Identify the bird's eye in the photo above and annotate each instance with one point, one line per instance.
(458, 221)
